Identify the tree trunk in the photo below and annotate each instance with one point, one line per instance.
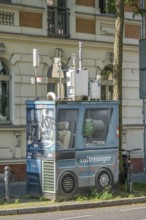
(118, 59)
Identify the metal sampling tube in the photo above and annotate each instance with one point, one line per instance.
(74, 76)
(80, 55)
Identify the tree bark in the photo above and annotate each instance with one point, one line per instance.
(118, 60)
(118, 50)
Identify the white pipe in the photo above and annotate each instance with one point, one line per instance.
(80, 55)
(35, 57)
(51, 96)
(74, 76)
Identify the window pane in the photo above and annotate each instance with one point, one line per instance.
(107, 6)
(66, 129)
(4, 92)
(4, 100)
(102, 6)
(103, 92)
(3, 69)
(96, 125)
(61, 3)
(110, 93)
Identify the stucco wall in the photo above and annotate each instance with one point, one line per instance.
(19, 42)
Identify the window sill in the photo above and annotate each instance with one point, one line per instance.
(9, 127)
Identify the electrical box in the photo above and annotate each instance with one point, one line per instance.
(95, 90)
(77, 83)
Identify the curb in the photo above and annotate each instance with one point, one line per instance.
(73, 205)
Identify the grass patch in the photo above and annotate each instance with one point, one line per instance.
(140, 187)
(94, 195)
(139, 190)
(24, 202)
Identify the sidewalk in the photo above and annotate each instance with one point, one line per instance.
(18, 189)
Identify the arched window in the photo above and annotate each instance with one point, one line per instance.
(4, 92)
(107, 83)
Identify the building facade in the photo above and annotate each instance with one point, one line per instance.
(55, 28)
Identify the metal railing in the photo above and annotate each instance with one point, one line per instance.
(7, 18)
(58, 21)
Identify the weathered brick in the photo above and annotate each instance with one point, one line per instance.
(19, 171)
(29, 19)
(85, 25)
(137, 164)
(129, 8)
(132, 31)
(88, 3)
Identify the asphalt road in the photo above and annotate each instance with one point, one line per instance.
(127, 212)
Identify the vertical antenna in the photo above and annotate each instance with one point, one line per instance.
(36, 64)
(74, 76)
(58, 64)
(80, 55)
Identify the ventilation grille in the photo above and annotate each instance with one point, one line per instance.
(48, 176)
(68, 183)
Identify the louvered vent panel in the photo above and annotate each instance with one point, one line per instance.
(48, 176)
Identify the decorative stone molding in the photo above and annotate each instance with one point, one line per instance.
(107, 30)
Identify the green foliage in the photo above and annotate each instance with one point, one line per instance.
(43, 199)
(130, 195)
(140, 186)
(17, 201)
(111, 7)
(136, 7)
(80, 198)
(106, 194)
(94, 194)
(1, 201)
(134, 4)
(106, 72)
(139, 189)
